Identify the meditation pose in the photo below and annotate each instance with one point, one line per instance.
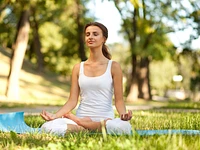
(96, 81)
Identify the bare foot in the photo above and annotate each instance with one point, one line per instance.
(76, 119)
(86, 119)
(72, 117)
(106, 121)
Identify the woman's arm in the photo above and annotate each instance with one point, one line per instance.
(118, 91)
(73, 98)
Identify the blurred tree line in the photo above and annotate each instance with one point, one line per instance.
(49, 33)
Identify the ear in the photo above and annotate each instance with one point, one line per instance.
(105, 40)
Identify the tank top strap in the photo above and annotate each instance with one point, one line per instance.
(81, 67)
(109, 66)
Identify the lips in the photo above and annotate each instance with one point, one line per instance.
(90, 42)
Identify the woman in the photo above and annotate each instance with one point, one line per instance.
(96, 80)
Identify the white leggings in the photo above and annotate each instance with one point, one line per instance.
(114, 126)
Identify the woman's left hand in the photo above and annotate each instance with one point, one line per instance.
(126, 116)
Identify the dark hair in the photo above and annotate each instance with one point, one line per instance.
(105, 34)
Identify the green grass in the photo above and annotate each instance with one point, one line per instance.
(141, 120)
(167, 104)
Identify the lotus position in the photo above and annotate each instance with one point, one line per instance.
(96, 81)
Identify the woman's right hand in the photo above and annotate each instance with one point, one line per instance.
(47, 116)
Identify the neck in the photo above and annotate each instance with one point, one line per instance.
(96, 55)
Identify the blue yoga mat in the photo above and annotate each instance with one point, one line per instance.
(169, 131)
(15, 122)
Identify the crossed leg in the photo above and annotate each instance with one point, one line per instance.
(86, 122)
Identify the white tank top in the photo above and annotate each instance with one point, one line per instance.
(96, 95)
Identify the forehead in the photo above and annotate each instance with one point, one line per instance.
(93, 29)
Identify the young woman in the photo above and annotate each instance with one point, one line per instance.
(96, 80)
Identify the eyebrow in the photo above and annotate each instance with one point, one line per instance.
(92, 32)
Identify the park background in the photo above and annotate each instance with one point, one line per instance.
(156, 43)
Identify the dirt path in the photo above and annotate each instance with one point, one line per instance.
(37, 110)
(32, 110)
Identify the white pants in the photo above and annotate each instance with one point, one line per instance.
(118, 127)
(114, 126)
(57, 126)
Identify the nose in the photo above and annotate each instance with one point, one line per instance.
(90, 36)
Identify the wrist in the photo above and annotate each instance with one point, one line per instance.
(55, 116)
(122, 113)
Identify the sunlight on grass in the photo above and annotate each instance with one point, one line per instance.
(166, 104)
(165, 120)
(34, 88)
(84, 140)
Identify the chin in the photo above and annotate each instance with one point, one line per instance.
(92, 46)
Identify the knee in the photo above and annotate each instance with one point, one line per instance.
(57, 126)
(118, 127)
(46, 127)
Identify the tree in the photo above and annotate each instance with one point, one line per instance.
(80, 26)
(19, 49)
(141, 29)
(63, 42)
(36, 44)
(65, 20)
(191, 57)
(146, 24)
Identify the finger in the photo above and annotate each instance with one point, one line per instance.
(45, 117)
(122, 116)
(43, 112)
(130, 114)
(126, 116)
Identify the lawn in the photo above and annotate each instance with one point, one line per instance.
(149, 119)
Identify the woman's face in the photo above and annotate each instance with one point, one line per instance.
(94, 37)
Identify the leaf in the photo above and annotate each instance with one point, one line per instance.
(13, 135)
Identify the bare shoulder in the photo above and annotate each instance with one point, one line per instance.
(116, 68)
(76, 68)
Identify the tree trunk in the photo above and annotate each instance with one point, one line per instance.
(80, 28)
(144, 87)
(133, 84)
(143, 79)
(81, 42)
(37, 44)
(19, 49)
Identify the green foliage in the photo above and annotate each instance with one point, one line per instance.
(50, 37)
(161, 75)
(188, 66)
(195, 78)
(58, 29)
(145, 28)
